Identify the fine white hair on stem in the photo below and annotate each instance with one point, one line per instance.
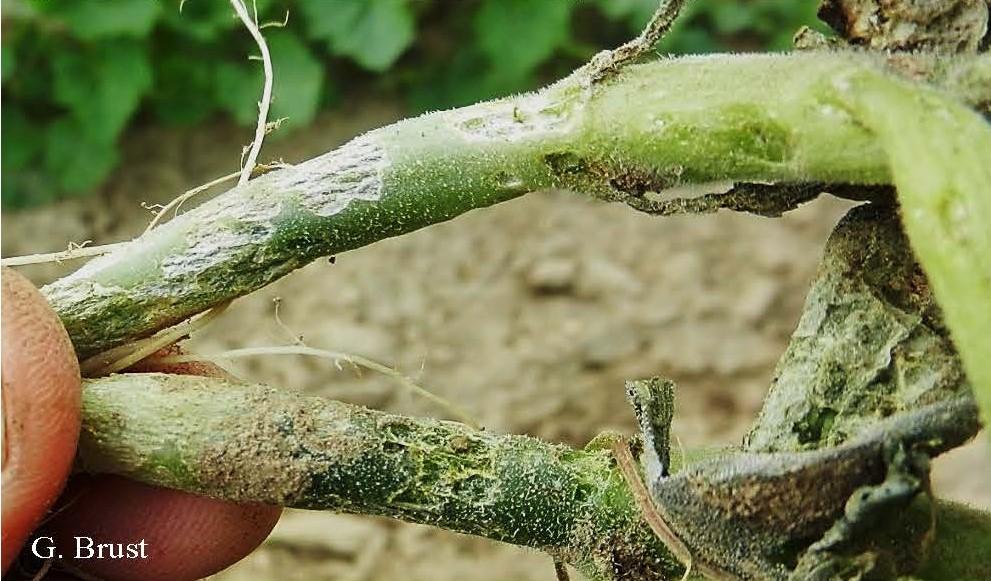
(275, 23)
(251, 23)
(336, 357)
(73, 252)
(296, 338)
(177, 202)
(357, 360)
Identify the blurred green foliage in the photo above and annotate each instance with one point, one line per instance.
(76, 73)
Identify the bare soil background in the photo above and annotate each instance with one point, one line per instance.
(530, 315)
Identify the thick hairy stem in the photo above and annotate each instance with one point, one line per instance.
(636, 133)
(253, 443)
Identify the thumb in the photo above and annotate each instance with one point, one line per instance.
(41, 394)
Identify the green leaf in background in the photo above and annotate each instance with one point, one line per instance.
(184, 87)
(688, 41)
(692, 32)
(22, 141)
(27, 188)
(23, 182)
(299, 79)
(635, 12)
(203, 20)
(467, 79)
(374, 33)
(732, 17)
(8, 60)
(29, 52)
(95, 19)
(518, 35)
(75, 158)
(102, 86)
(237, 88)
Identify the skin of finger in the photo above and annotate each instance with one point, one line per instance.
(41, 399)
(185, 536)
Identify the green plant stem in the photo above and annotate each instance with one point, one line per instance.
(640, 130)
(251, 443)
